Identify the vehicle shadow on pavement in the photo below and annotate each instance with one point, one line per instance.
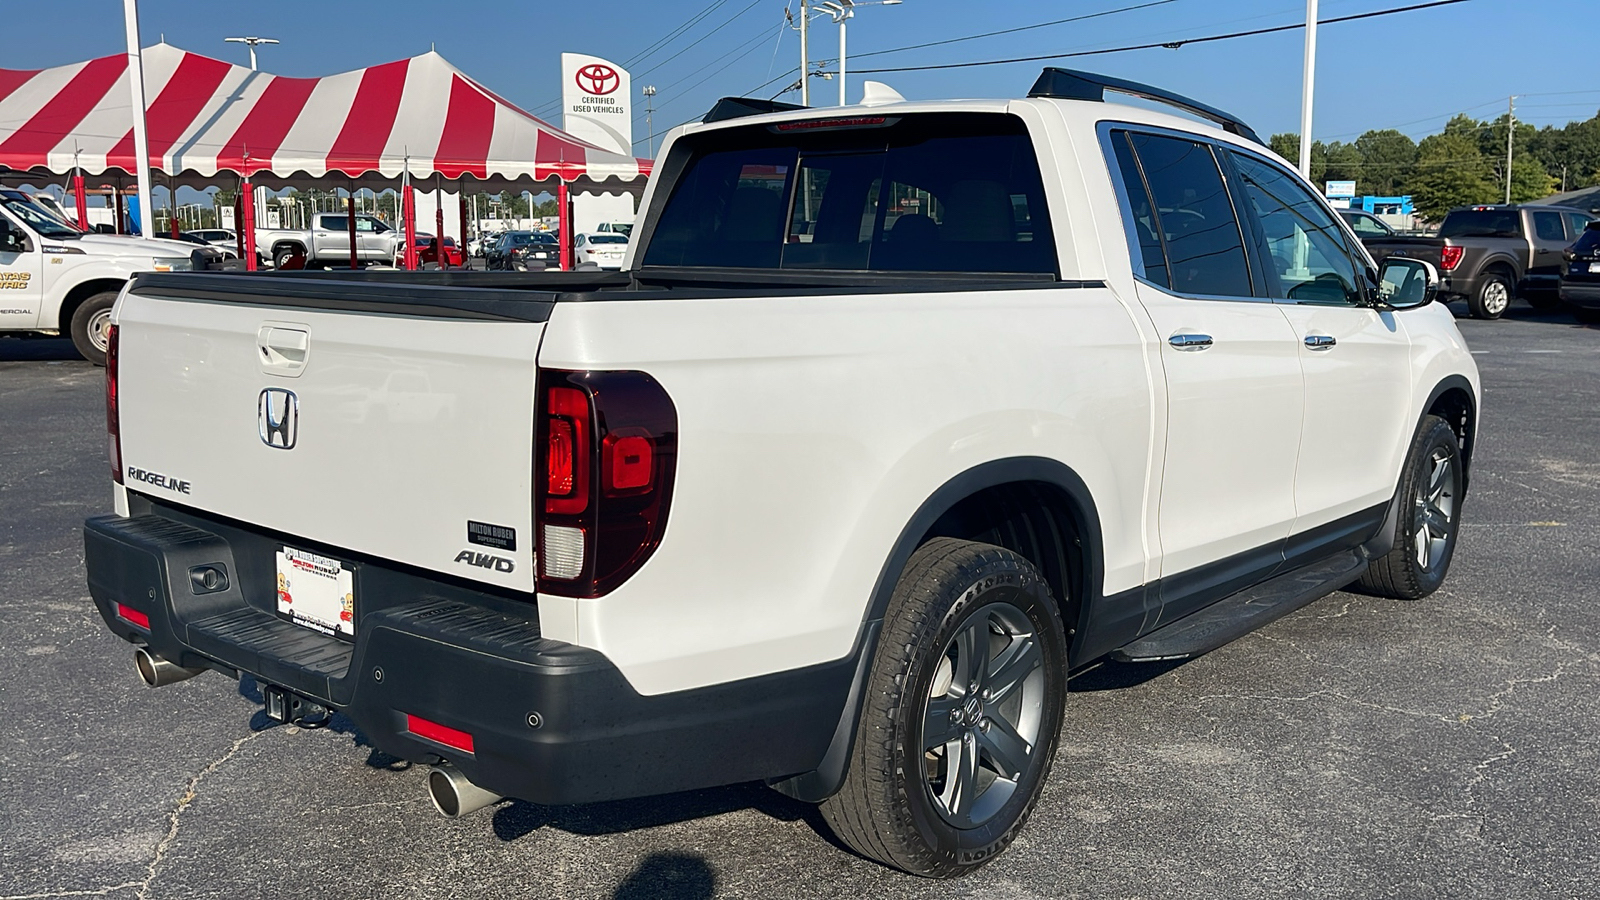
(1114, 676)
(680, 876)
(44, 350)
(518, 818)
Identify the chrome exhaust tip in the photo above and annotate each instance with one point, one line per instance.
(453, 795)
(158, 672)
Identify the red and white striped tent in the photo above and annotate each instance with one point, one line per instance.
(207, 118)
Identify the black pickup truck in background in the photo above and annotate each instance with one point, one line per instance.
(1486, 255)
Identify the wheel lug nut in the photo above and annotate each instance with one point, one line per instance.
(983, 725)
(987, 696)
(955, 715)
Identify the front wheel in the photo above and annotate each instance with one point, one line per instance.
(91, 326)
(962, 713)
(1431, 489)
(1492, 297)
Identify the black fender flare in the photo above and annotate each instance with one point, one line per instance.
(1384, 541)
(826, 779)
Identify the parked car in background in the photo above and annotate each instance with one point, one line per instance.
(428, 254)
(480, 242)
(1490, 254)
(543, 252)
(218, 237)
(498, 255)
(623, 228)
(603, 250)
(1580, 277)
(1365, 224)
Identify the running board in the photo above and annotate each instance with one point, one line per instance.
(1234, 617)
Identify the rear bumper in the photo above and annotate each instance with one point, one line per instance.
(551, 723)
(1581, 293)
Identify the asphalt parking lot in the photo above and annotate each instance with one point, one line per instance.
(1359, 748)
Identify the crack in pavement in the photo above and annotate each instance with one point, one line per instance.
(88, 892)
(189, 794)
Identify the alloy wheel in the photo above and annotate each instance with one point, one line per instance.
(1496, 298)
(1436, 505)
(982, 720)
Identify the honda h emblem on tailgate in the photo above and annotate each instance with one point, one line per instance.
(278, 414)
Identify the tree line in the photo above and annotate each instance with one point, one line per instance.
(1462, 165)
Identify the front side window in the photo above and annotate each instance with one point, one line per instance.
(1306, 252)
(921, 193)
(1576, 222)
(1195, 218)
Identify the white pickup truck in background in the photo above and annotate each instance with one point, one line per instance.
(896, 415)
(327, 241)
(55, 279)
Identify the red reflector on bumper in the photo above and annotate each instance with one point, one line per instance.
(129, 614)
(443, 734)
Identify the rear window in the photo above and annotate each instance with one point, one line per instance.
(1481, 223)
(1589, 241)
(607, 239)
(929, 193)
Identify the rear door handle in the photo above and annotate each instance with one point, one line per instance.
(1190, 341)
(1320, 341)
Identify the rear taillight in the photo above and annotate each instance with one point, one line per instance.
(113, 420)
(1450, 257)
(607, 447)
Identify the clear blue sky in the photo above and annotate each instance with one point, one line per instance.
(1411, 71)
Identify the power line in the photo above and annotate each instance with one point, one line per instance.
(673, 35)
(974, 37)
(1170, 45)
(725, 23)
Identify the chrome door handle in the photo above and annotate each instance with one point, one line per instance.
(1320, 341)
(1190, 341)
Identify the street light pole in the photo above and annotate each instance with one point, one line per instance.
(1511, 129)
(252, 41)
(649, 110)
(805, 55)
(1306, 88)
(842, 11)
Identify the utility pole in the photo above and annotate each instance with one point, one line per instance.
(805, 56)
(1511, 129)
(649, 114)
(1306, 88)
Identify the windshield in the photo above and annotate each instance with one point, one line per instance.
(40, 221)
(1481, 223)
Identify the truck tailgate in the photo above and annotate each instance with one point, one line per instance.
(368, 431)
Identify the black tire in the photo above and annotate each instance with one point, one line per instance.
(88, 325)
(281, 257)
(1430, 511)
(1588, 315)
(887, 810)
(1493, 296)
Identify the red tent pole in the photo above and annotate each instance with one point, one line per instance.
(248, 197)
(83, 200)
(408, 205)
(172, 207)
(350, 214)
(564, 224)
(438, 221)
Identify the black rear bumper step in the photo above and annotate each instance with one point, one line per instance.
(1234, 617)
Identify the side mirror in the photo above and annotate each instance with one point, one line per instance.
(1407, 283)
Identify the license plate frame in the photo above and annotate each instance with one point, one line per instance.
(316, 591)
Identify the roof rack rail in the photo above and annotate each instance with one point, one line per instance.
(1070, 84)
(739, 107)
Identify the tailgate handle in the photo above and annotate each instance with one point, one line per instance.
(283, 350)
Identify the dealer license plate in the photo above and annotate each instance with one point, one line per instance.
(316, 591)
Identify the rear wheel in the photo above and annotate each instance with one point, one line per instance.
(962, 714)
(91, 326)
(1492, 297)
(281, 257)
(1430, 512)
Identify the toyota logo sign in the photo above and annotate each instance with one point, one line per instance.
(597, 79)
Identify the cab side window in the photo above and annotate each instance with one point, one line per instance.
(1193, 215)
(1307, 258)
(1547, 227)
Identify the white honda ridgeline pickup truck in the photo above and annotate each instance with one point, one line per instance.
(897, 416)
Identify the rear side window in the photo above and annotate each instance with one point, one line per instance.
(1547, 226)
(932, 193)
(1195, 218)
(1576, 222)
(1142, 211)
(1481, 223)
